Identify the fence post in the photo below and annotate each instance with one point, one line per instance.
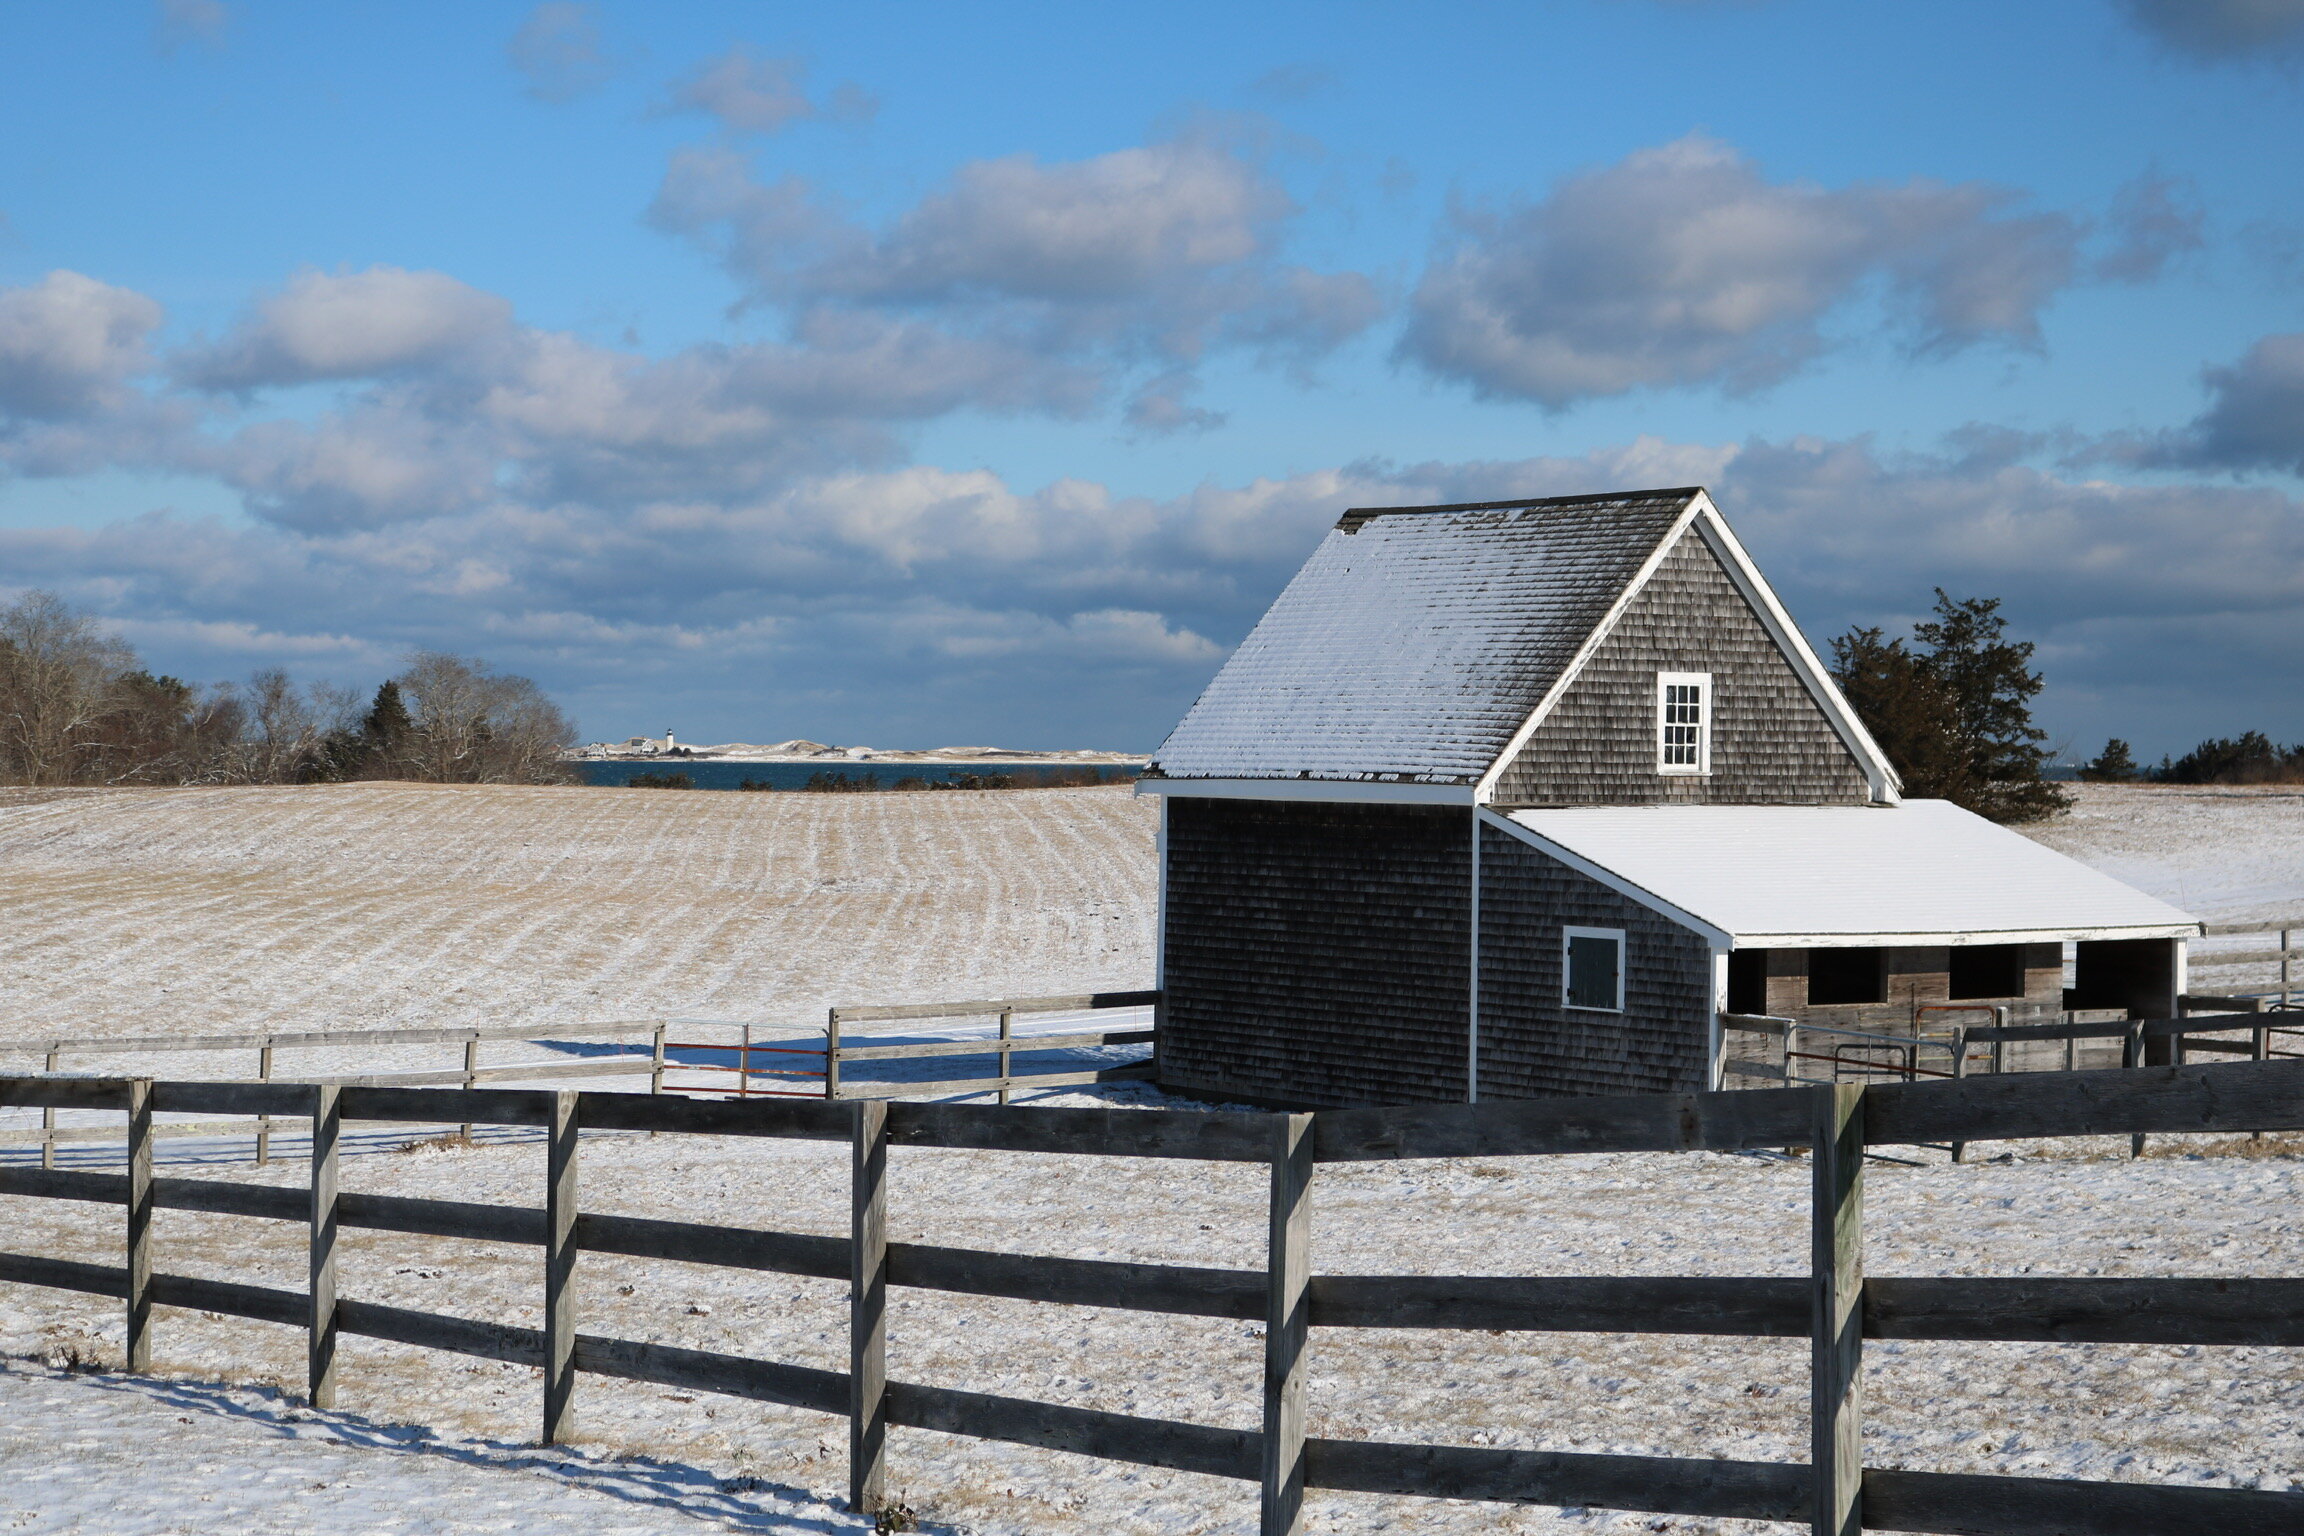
(320, 1352)
(2132, 1055)
(1007, 1032)
(264, 1123)
(868, 1309)
(832, 1053)
(1837, 1310)
(48, 1123)
(1960, 1072)
(471, 1074)
(1288, 1275)
(560, 1272)
(139, 1224)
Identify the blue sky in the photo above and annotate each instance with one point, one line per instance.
(923, 374)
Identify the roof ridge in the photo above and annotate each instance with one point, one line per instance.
(1355, 518)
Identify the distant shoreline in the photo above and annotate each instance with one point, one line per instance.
(835, 757)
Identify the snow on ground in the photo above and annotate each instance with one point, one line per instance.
(197, 911)
(144, 912)
(145, 1457)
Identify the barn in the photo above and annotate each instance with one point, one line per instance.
(1517, 799)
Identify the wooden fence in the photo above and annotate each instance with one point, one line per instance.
(650, 1055)
(266, 1043)
(2286, 950)
(1836, 1306)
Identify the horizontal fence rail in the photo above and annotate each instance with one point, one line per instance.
(1281, 1458)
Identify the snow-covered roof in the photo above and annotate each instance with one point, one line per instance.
(1416, 641)
(1923, 872)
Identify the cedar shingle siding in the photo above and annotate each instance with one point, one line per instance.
(1316, 953)
(1533, 1047)
(1771, 744)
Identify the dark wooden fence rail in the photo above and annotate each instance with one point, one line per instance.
(1836, 1306)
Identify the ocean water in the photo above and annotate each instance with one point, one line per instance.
(709, 773)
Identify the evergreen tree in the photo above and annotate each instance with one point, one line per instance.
(1954, 718)
(2113, 765)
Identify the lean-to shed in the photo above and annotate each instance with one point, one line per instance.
(1516, 798)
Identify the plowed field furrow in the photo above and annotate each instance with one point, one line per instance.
(199, 911)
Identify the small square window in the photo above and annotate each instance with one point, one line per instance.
(1592, 969)
(1683, 722)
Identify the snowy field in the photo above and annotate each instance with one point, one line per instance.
(390, 904)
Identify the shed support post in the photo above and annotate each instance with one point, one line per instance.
(139, 1353)
(560, 1271)
(1287, 1330)
(832, 1053)
(868, 1309)
(1837, 1310)
(320, 1350)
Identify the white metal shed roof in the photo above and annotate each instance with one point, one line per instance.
(1924, 872)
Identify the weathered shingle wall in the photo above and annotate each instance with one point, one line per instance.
(1771, 744)
(1531, 1046)
(1317, 953)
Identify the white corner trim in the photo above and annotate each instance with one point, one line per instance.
(1330, 791)
(1714, 530)
(1711, 933)
(1485, 790)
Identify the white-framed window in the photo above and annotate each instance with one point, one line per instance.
(1592, 969)
(1683, 722)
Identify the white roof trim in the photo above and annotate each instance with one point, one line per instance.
(1956, 940)
(1333, 791)
(1717, 937)
(1716, 533)
(1485, 789)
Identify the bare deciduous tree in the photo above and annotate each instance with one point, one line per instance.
(57, 677)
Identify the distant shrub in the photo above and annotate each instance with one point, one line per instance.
(756, 785)
(661, 781)
(822, 783)
(2113, 765)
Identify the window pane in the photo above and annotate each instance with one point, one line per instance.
(1592, 967)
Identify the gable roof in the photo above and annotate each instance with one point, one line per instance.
(1422, 645)
(1774, 876)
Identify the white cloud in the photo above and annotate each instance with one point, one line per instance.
(68, 344)
(1132, 264)
(1682, 265)
(748, 92)
(351, 325)
(557, 48)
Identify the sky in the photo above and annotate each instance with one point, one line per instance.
(966, 374)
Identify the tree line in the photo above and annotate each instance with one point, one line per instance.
(2249, 758)
(77, 706)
